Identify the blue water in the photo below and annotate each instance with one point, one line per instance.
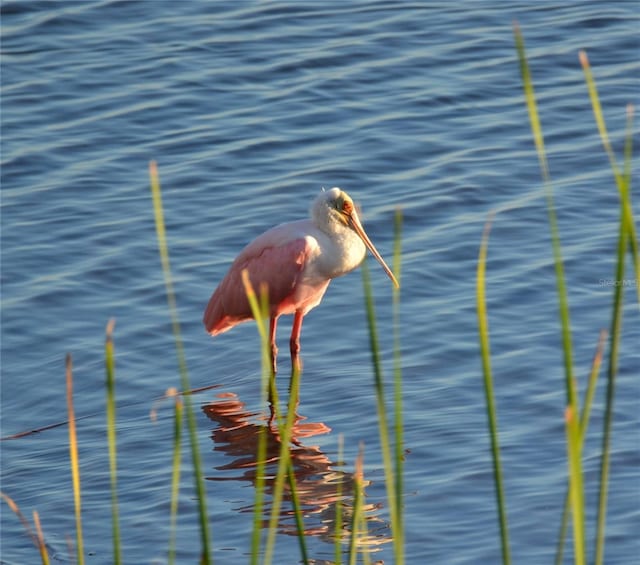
(249, 109)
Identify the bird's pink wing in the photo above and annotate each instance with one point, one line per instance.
(270, 261)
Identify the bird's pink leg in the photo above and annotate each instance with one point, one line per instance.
(294, 342)
(273, 323)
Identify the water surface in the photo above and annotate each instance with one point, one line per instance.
(250, 108)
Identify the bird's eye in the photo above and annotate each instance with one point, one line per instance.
(347, 207)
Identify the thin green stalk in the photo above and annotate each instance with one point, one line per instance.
(337, 540)
(205, 557)
(612, 370)
(576, 488)
(258, 503)
(73, 458)
(358, 506)
(364, 532)
(536, 130)
(483, 331)
(294, 396)
(626, 239)
(297, 513)
(397, 392)
(285, 467)
(570, 385)
(175, 470)
(284, 470)
(584, 425)
(37, 538)
(111, 439)
(383, 425)
(42, 546)
(623, 179)
(260, 310)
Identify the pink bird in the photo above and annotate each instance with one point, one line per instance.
(296, 261)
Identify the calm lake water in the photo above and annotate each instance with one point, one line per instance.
(250, 108)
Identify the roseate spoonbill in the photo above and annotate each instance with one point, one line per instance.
(296, 261)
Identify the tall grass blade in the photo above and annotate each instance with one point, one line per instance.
(297, 513)
(383, 423)
(627, 238)
(260, 311)
(25, 523)
(612, 371)
(294, 396)
(576, 489)
(485, 351)
(536, 130)
(337, 540)
(397, 391)
(358, 506)
(623, 179)
(111, 439)
(570, 385)
(42, 546)
(73, 457)
(184, 375)
(584, 424)
(175, 470)
(285, 470)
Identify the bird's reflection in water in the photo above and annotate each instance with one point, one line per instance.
(319, 482)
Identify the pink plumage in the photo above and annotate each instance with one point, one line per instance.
(277, 258)
(296, 261)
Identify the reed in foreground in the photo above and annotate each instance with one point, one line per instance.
(75, 465)
(285, 472)
(178, 419)
(393, 459)
(184, 375)
(37, 538)
(111, 438)
(485, 354)
(261, 313)
(576, 422)
(627, 239)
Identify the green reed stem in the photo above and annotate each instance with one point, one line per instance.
(358, 506)
(42, 546)
(205, 557)
(483, 331)
(111, 439)
(626, 239)
(612, 371)
(175, 470)
(37, 538)
(623, 179)
(260, 312)
(576, 484)
(285, 467)
(297, 513)
(584, 425)
(292, 417)
(383, 425)
(73, 458)
(337, 540)
(536, 130)
(397, 391)
(576, 488)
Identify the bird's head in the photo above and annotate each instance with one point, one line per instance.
(334, 210)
